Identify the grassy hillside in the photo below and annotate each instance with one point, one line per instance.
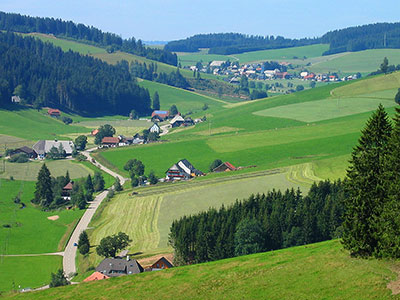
(185, 100)
(33, 125)
(317, 271)
(189, 59)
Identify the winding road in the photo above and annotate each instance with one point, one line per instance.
(69, 265)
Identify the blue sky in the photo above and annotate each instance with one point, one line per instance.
(176, 19)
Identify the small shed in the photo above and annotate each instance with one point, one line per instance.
(162, 263)
(54, 112)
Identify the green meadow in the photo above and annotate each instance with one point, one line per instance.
(352, 62)
(317, 271)
(32, 125)
(185, 100)
(190, 59)
(27, 271)
(67, 45)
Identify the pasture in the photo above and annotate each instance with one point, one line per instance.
(185, 100)
(325, 109)
(190, 59)
(28, 171)
(67, 45)
(317, 271)
(29, 231)
(352, 62)
(31, 125)
(27, 272)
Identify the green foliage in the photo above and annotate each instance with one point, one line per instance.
(366, 187)
(56, 153)
(173, 110)
(205, 106)
(248, 237)
(134, 181)
(66, 120)
(134, 167)
(152, 178)
(133, 115)
(215, 164)
(384, 65)
(156, 101)
(105, 130)
(43, 191)
(80, 142)
(258, 94)
(299, 88)
(83, 243)
(98, 182)
(397, 97)
(117, 185)
(58, 279)
(285, 219)
(110, 245)
(19, 158)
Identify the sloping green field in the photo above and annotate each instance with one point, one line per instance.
(317, 271)
(185, 100)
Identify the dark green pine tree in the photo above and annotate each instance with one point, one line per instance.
(89, 185)
(83, 243)
(248, 237)
(365, 187)
(156, 101)
(43, 192)
(389, 243)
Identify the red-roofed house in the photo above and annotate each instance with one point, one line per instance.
(162, 114)
(96, 276)
(110, 141)
(309, 76)
(53, 112)
(94, 132)
(225, 167)
(67, 190)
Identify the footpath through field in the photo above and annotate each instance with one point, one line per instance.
(69, 265)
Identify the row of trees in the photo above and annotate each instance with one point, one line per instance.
(372, 36)
(49, 190)
(43, 75)
(371, 223)
(278, 219)
(92, 35)
(230, 43)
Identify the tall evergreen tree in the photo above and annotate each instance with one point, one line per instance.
(156, 101)
(389, 243)
(43, 192)
(365, 186)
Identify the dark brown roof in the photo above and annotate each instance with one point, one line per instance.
(164, 260)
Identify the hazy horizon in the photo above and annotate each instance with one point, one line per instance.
(157, 20)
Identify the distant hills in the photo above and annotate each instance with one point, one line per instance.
(92, 35)
(373, 36)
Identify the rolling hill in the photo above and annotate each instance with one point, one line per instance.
(316, 271)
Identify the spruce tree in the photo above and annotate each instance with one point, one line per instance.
(43, 192)
(89, 185)
(389, 243)
(365, 187)
(156, 101)
(83, 243)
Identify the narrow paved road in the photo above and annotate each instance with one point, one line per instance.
(69, 265)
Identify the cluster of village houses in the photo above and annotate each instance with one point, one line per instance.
(256, 71)
(120, 266)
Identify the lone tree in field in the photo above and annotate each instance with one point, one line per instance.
(110, 245)
(83, 243)
(117, 185)
(58, 279)
(385, 65)
(366, 188)
(43, 192)
(156, 101)
(248, 237)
